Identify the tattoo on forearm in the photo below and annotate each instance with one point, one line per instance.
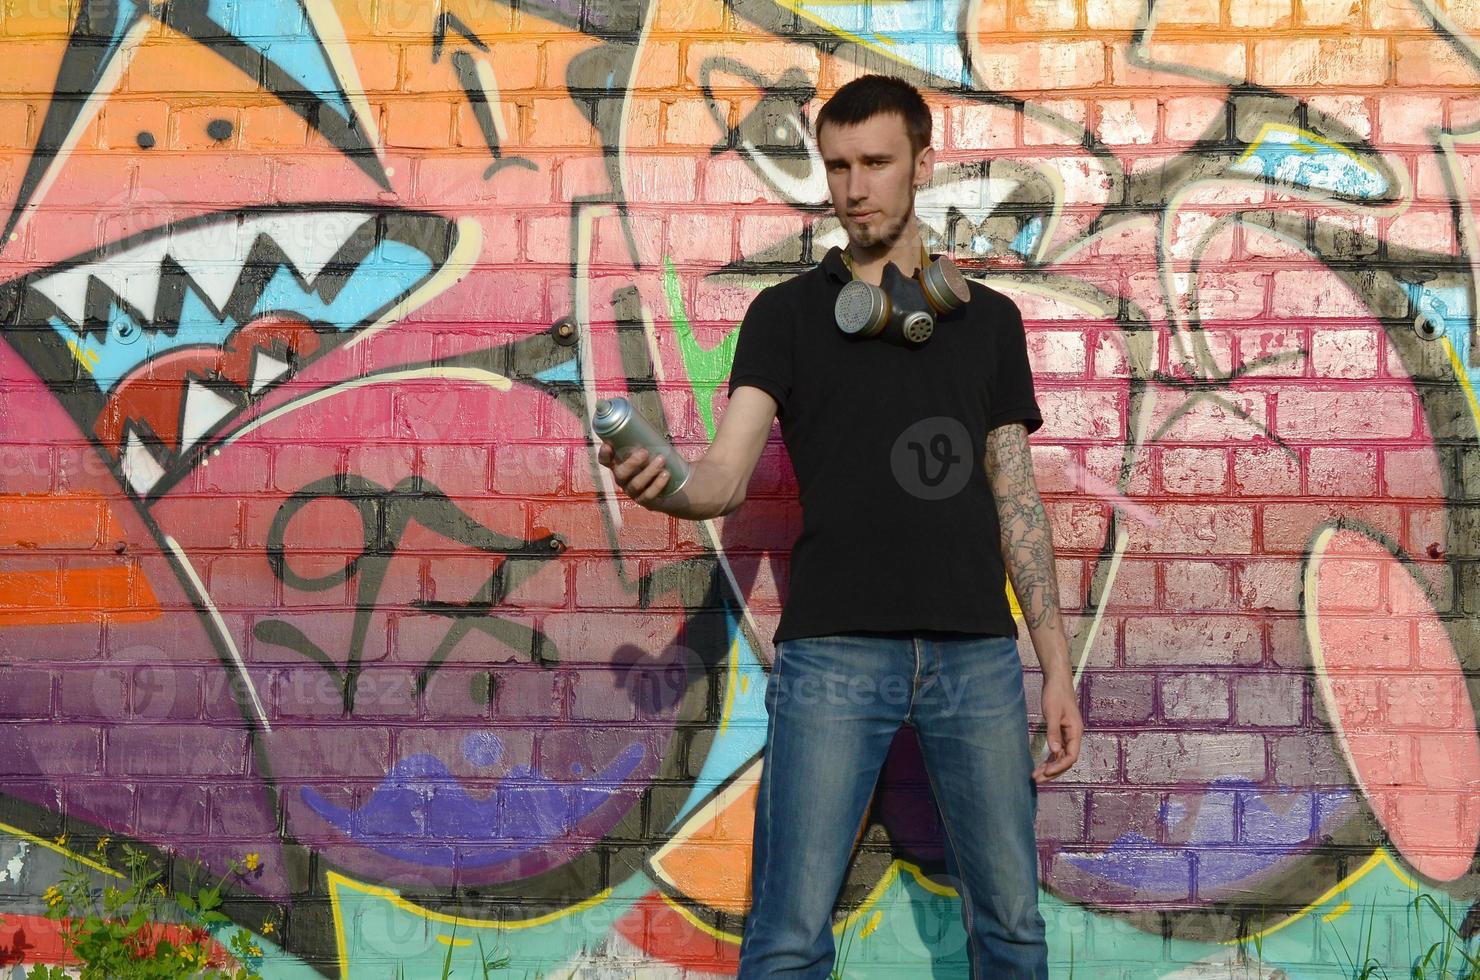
(1027, 542)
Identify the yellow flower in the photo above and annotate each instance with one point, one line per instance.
(254, 950)
(252, 860)
(159, 887)
(267, 928)
(61, 840)
(53, 896)
(103, 842)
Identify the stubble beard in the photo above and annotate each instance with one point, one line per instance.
(889, 234)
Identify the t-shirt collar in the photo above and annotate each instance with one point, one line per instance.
(833, 265)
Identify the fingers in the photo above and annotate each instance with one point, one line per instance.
(1062, 758)
(658, 480)
(641, 476)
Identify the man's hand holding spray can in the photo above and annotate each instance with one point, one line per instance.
(644, 464)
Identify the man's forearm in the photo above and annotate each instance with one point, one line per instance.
(708, 493)
(1027, 545)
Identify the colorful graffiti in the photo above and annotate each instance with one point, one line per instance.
(304, 548)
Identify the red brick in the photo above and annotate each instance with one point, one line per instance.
(1371, 413)
(1076, 414)
(1206, 420)
(1060, 124)
(1333, 472)
(1200, 529)
(1424, 702)
(1272, 584)
(1265, 471)
(1334, 62)
(1351, 110)
(1344, 353)
(1127, 121)
(1432, 230)
(1194, 697)
(1050, 64)
(1412, 473)
(1172, 757)
(1119, 698)
(1430, 61)
(1196, 586)
(1192, 640)
(1303, 295)
(1077, 525)
(419, 123)
(1407, 119)
(1288, 527)
(1269, 699)
(983, 126)
(1059, 352)
(1194, 470)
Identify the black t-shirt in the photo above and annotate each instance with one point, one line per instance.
(899, 526)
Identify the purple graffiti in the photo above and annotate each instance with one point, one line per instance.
(421, 798)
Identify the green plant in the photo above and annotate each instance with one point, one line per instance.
(1445, 949)
(1258, 940)
(447, 960)
(837, 970)
(1369, 966)
(485, 962)
(135, 932)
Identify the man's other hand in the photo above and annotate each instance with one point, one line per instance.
(1064, 726)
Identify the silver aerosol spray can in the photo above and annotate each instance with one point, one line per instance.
(624, 428)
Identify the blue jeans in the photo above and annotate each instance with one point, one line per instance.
(834, 704)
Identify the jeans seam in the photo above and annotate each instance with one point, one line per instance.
(945, 824)
(914, 681)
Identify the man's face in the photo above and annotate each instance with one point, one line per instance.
(872, 175)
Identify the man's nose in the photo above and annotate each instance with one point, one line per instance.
(856, 185)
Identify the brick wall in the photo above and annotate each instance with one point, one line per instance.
(305, 553)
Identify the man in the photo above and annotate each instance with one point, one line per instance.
(897, 609)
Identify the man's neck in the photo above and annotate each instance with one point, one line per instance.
(868, 265)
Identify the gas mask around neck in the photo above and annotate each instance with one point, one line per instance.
(901, 307)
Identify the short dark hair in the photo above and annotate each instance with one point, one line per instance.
(871, 95)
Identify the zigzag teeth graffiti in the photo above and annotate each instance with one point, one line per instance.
(174, 333)
(212, 254)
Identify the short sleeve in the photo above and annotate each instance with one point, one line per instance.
(1013, 399)
(763, 351)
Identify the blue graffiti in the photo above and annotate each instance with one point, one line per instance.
(1292, 156)
(734, 745)
(1270, 836)
(1027, 237)
(390, 270)
(283, 32)
(1447, 308)
(420, 801)
(924, 35)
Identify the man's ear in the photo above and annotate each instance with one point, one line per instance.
(925, 166)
